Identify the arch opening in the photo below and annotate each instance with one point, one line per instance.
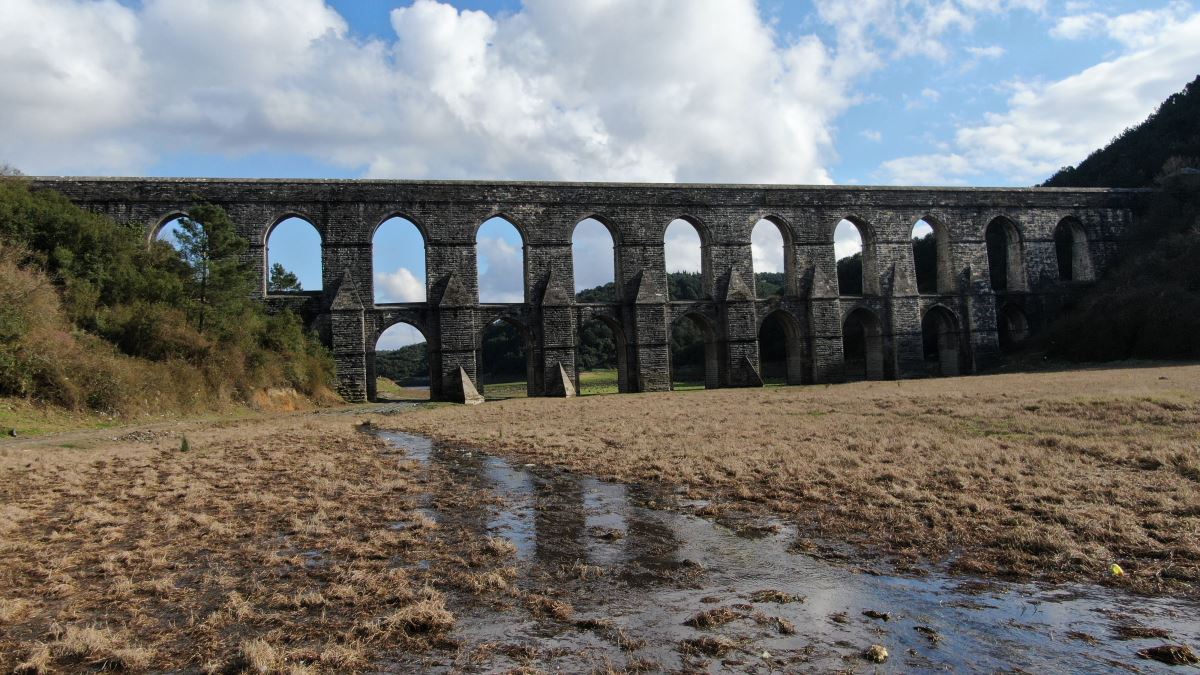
(694, 362)
(855, 258)
(594, 262)
(683, 252)
(1071, 251)
(505, 360)
(500, 258)
(1012, 326)
(400, 366)
(862, 346)
(293, 257)
(1005, 256)
(398, 262)
(931, 258)
(601, 365)
(771, 258)
(784, 356)
(941, 342)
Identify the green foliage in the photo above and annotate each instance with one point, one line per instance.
(1148, 305)
(503, 353)
(1138, 155)
(925, 261)
(281, 280)
(406, 366)
(850, 275)
(96, 317)
(597, 346)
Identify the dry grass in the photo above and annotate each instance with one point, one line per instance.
(285, 545)
(1053, 475)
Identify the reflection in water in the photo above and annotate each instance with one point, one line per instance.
(661, 567)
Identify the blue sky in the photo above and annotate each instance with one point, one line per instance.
(959, 92)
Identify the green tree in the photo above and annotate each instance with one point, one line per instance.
(211, 247)
(282, 280)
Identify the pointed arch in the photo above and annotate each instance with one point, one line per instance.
(1006, 254)
(941, 341)
(854, 251)
(594, 352)
(693, 344)
(1071, 250)
(685, 255)
(501, 261)
(399, 367)
(1012, 327)
(783, 348)
(772, 257)
(862, 345)
(398, 259)
(294, 244)
(505, 348)
(932, 257)
(593, 243)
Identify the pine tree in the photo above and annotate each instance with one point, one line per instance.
(210, 245)
(283, 281)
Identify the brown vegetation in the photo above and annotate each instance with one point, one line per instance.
(290, 544)
(1053, 475)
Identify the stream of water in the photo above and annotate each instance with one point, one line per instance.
(657, 564)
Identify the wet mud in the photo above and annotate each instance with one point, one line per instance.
(622, 577)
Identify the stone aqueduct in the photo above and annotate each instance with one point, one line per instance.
(973, 318)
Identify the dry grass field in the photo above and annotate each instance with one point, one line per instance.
(289, 544)
(1052, 475)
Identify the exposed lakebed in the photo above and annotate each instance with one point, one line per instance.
(638, 566)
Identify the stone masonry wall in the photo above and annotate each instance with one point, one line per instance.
(448, 214)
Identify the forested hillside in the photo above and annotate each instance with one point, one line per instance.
(1169, 138)
(1148, 305)
(93, 318)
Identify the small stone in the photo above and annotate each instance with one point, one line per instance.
(883, 616)
(876, 654)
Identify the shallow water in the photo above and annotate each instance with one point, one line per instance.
(662, 564)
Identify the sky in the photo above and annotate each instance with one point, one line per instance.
(914, 92)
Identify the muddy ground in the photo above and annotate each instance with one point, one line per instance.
(1053, 475)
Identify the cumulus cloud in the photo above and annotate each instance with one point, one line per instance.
(682, 247)
(1138, 29)
(399, 286)
(1050, 125)
(501, 271)
(697, 91)
(592, 254)
(766, 246)
(399, 335)
(846, 240)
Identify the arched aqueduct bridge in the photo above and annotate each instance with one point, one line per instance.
(973, 313)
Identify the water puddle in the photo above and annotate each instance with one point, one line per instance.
(635, 572)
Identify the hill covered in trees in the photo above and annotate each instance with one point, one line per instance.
(93, 318)
(1148, 304)
(1170, 139)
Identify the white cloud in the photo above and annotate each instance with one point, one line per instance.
(1050, 125)
(989, 52)
(1139, 30)
(873, 135)
(399, 335)
(592, 254)
(682, 247)
(846, 240)
(766, 246)
(696, 91)
(501, 271)
(399, 286)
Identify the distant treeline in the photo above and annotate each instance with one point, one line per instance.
(93, 317)
(1148, 304)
